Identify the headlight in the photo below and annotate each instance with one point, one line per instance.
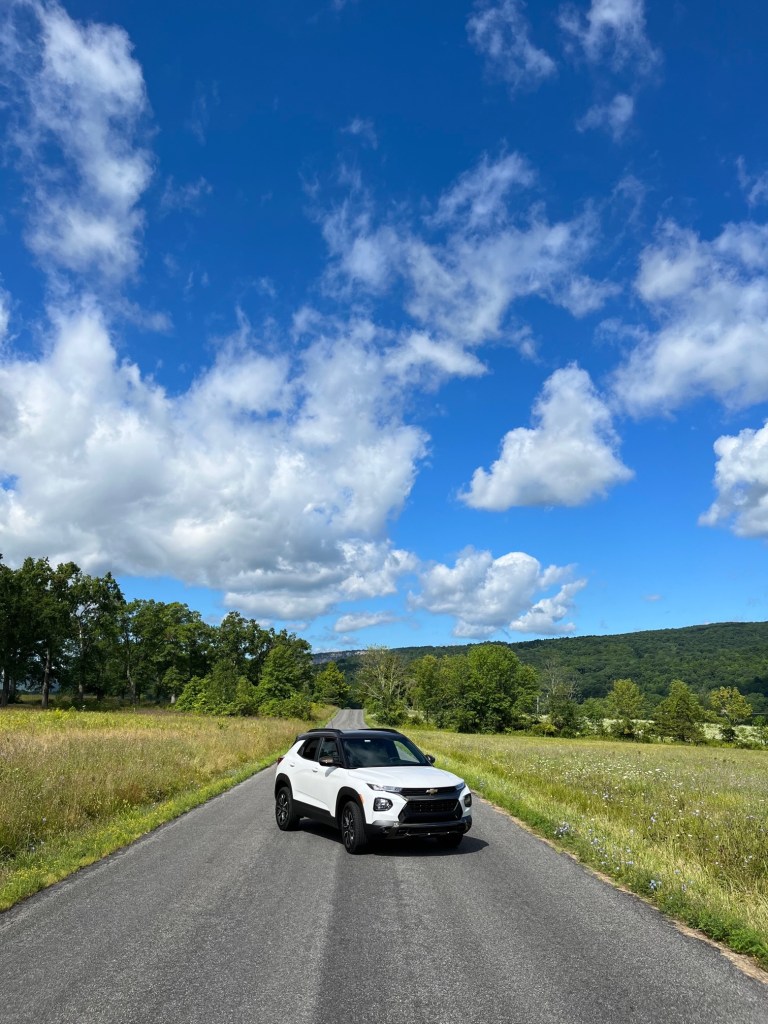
(386, 789)
(461, 784)
(382, 804)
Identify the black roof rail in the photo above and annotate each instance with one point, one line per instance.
(337, 732)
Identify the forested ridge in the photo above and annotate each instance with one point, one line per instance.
(705, 657)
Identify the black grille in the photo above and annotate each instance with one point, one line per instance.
(429, 792)
(431, 810)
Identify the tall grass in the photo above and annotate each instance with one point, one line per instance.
(686, 827)
(74, 786)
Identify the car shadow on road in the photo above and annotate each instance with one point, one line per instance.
(399, 847)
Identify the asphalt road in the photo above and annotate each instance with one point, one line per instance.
(219, 917)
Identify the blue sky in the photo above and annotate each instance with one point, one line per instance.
(390, 322)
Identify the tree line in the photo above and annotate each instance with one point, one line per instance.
(489, 689)
(62, 629)
(730, 654)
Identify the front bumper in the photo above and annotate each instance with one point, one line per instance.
(385, 829)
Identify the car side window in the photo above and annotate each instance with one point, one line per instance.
(328, 748)
(309, 750)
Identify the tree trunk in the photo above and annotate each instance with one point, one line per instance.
(6, 689)
(81, 672)
(46, 678)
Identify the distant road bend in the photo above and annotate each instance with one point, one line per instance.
(219, 918)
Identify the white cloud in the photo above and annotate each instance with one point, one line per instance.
(479, 194)
(547, 614)
(611, 31)
(711, 298)
(613, 117)
(350, 623)
(461, 286)
(754, 186)
(500, 32)
(83, 100)
(184, 197)
(5, 314)
(568, 458)
(249, 482)
(364, 130)
(199, 120)
(420, 352)
(741, 479)
(488, 595)
(366, 255)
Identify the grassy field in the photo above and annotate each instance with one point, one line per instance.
(685, 827)
(76, 786)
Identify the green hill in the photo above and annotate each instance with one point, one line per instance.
(720, 654)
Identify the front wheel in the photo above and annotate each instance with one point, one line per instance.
(353, 828)
(285, 813)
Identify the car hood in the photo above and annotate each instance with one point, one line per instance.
(408, 778)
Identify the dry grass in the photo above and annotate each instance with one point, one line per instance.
(686, 827)
(75, 785)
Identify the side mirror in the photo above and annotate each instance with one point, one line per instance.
(329, 761)
(430, 758)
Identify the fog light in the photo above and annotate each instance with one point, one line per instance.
(381, 804)
(468, 800)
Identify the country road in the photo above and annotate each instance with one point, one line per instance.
(219, 917)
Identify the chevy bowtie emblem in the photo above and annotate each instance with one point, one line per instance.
(431, 791)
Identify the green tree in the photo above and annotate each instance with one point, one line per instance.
(382, 683)
(287, 669)
(158, 638)
(626, 704)
(331, 686)
(680, 714)
(431, 689)
(498, 691)
(95, 607)
(244, 644)
(559, 691)
(594, 712)
(729, 703)
(17, 629)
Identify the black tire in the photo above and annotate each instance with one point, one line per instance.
(451, 841)
(285, 813)
(353, 828)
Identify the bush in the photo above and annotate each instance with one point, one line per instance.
(296, 706)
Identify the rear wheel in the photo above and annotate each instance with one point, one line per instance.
(353, 828)
(285, 813)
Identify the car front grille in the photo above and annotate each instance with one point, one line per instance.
(431, 810)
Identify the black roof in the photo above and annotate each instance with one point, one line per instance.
(346, 732)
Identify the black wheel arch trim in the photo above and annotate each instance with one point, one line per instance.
(283, 780)
(346, 793)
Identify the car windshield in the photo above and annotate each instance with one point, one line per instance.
(382, 752)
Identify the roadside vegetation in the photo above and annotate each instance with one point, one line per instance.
(489, 690)
(75, 786)
(72, 638)
(685, 827)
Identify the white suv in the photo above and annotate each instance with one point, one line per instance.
(369, 783)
